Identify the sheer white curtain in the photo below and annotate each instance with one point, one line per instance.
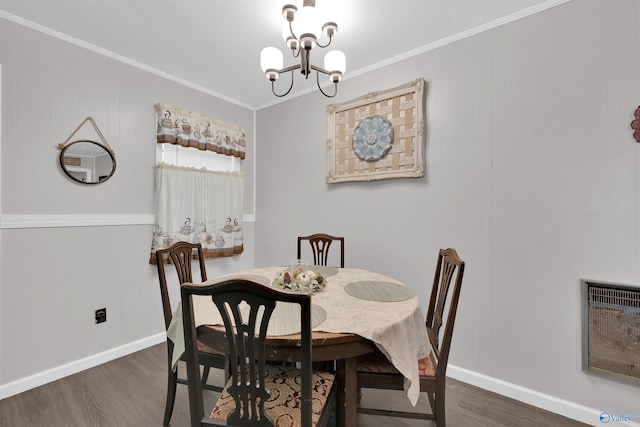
(199, 206)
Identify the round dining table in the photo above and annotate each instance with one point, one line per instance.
(356, 313)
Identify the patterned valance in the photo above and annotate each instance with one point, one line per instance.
(181, 127)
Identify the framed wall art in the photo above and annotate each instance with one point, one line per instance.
(377, 136)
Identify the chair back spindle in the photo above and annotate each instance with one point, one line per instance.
(320, 244)
(246, 308)
(180, 254)
(448, 263)
(247, 387)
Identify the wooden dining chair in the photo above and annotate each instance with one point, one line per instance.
(257, 394)
(181, 254)
(320, 244)
(375, 371)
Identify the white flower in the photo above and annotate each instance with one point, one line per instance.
(299, 280)
(303, 279)
(297, 271)
(294, 286)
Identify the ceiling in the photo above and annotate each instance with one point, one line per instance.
(214, 45)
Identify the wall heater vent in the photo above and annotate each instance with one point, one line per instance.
(611, 329)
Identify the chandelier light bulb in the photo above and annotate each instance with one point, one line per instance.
(289, 11)
(292, 43)
(271, 60)
(306, 22)
(335, 61)
(330, 29)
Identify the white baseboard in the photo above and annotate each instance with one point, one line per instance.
(544, 401)
(547, 402)
(53, 374)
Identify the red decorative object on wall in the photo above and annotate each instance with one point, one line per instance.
(635, 125)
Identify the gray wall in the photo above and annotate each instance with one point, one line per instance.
(53, 276)
(531, 173)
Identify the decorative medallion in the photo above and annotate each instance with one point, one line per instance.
(635, 125)
(372, 138)
(359, 150)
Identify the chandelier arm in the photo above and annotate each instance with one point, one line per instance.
(291, 68)
(291, 31)
(326, 45)
(318, 69)
(335, 85)
(295, 51)
(273, 84)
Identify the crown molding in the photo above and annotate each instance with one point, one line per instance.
(117, 57)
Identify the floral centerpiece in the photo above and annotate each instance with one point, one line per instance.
(299, 279)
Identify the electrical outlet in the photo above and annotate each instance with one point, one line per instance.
(101, 315)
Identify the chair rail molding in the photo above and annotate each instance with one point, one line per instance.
(60, 221)
(86, 220)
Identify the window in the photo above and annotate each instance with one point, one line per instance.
(193, 158)
(199, 187)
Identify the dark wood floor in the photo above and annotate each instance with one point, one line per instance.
(130, 391)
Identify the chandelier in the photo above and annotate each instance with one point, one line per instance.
(301, 32)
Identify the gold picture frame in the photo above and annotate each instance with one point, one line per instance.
(400, 108)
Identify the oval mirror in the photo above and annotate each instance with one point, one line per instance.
(87, 162)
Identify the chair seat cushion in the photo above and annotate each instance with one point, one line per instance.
(202, 347)
(283, 406)
(377, 363)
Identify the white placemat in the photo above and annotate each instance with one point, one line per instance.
(285, 319)
(379, 291)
